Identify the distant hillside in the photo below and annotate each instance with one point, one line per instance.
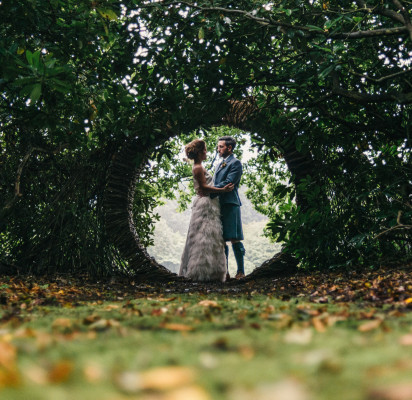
(171, 230)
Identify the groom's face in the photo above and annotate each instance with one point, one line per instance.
(223, 149)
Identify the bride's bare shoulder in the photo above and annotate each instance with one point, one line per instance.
(197, 169)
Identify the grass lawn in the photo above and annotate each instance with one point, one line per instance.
(199, 346)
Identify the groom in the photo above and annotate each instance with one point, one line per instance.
(230, 171)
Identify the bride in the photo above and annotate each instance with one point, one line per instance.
(203, 258)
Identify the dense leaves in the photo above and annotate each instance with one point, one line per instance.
(330, 94)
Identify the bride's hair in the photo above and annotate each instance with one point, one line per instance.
(195, 147)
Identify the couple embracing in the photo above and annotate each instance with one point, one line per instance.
(215, 216)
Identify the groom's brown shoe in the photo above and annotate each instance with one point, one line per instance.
(227, 276)
(239, 275)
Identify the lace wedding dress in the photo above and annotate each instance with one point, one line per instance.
(203, 258)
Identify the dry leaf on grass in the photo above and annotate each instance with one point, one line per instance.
(103, 324)
(301, 336)
(9, 377)
(401, 391)
(93, 373)
(209, 303)
(162, 378)
(318, 325)
(62, 323)
(370, 325)
(406, 340)
(60, 372)
(110, 307)
(90, 319)
(187, 393)
(8, 355)
(37, 375)
(176, 327)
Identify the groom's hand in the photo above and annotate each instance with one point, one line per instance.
(201, 194)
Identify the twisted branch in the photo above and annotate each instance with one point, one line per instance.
(309, 31)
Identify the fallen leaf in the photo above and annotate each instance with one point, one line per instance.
(318, 325)
(401, 391)
(8, 355)
(37, 375)
(62, 323)
(406, 340)
(301, 336)
(160, 379)
(159, 311)
(91, 319)
(103, 324)
(9, 377)
(176, 327)
(247, 352)
(44, 340)
(93, 373)
(209, 303)
(187, 393)
(111, 307)
(25, 333)
(164, 378)
(370, 325)
(60, 372)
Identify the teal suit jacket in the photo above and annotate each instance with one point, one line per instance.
(229, 173)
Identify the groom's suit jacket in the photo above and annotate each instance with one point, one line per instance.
(229, 171)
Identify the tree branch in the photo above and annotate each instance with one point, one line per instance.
(19, 172)
(309, 31)
(404, 12)
(397, 97)
(398, 226)
(382, 78)
(369, 34)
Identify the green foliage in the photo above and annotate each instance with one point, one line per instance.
(331, 87)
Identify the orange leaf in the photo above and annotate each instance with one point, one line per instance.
(161, 379)
(62, 323)
(400, 391)
(164, 378)
(91, 319)
(406, 340)
(209, 303)
(93, 373)
(103, 324)
(318, 325)
(9, 377)
(188, 393)
(7, 355)
(61, 371)
(370, 325)
(177, 327)
(111, 307)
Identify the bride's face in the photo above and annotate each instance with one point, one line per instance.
(203, 154)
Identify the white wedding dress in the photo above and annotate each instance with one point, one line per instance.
(203, 258)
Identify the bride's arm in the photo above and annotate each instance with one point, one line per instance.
(199, 174)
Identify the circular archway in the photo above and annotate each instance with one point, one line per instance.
(125, 169)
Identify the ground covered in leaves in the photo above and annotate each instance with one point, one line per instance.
(342, 335)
